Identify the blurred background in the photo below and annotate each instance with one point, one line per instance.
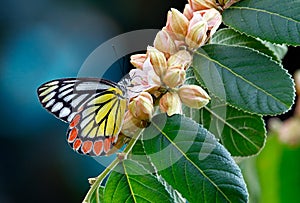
(42, 40)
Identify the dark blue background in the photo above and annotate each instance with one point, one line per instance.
(42, 40)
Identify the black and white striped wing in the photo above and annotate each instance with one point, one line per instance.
(64, 97)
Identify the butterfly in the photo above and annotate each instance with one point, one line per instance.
(94, 109)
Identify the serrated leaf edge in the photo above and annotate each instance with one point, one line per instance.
(233, 128)
(258, 40)
(243, 32)
(269, 114)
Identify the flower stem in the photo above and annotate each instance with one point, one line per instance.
(111, 166)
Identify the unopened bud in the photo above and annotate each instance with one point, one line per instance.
(177, 24)
(132, 125)
(193, 96)
(141, 107)
(197, 5)
(158, 61)
(188, 11)
(170, 103)
(156, 91)
(196, 35)
(182, 57)
(213, 18)
(137, 60)
(175, 76)
(164, 43)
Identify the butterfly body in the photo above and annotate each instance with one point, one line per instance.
(94, 109)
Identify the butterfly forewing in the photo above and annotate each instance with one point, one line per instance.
(94, 108)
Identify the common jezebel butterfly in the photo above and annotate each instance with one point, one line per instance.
(94, 109)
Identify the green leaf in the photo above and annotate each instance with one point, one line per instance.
(138, 154)
(289, 176)
(97, 196)
(278, 50)
(249, 171)
(276, 21)
(244, 78)
(242, 133)
(130, 182)
(191, 160)
(270, 158)
(281, 184)
(230, 37)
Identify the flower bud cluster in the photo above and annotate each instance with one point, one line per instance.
(161, 72)
(168, 88)
(190, 29)
(169, 72)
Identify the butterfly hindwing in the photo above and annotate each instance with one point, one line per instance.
(98, 123)
(94, 109)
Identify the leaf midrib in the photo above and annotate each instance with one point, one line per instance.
(128, 181)
(242, 78)
(133, 194)
(187, 158)
(232, 127)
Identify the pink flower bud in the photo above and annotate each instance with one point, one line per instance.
(156, 91)
(196, 35)
(193, 96)
(170, 103)
(175, 76)
(164, 43)
(197, 5)
(188, 11)
(177, 24)
(132, 125)
(182, 58)
(149, 73)
(213, 19)
(158, 61)
(141, 107)
(137, 60)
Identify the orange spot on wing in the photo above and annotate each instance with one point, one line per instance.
(98, 147)
(75, 121)
(77, 144)
(72, 135)
(87, 146)
(107, 144)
